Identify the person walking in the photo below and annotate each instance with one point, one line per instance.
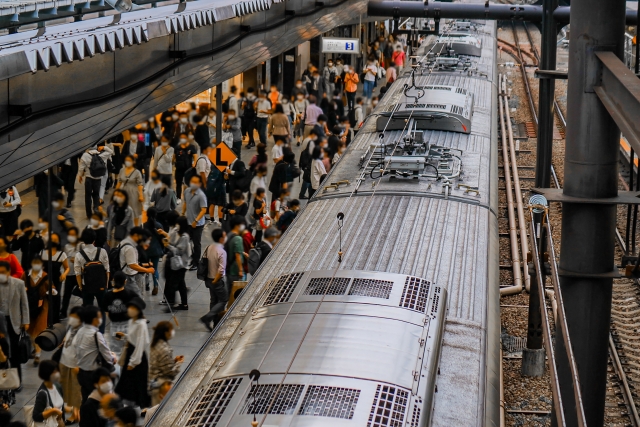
(233, 124)
(129, 263)
(311, 115)
(155, 250)
(10, 208)
(299, 108)
(195, 208)
(164, 201)
(136, 149)
(186, 155)
(90, 411)
(90, 343)
(93, 166)
(120, 217)
(214, 280)
(59, 269)
(263, 109)
(179, 246)
(68, 173)
(28, 242)
(68, 365)
(62, 217)
(370, 74)
(133, 382)
(70, 250)
(149, 188)
(163, 158)
(280, 129)
(249, 117)
(15, 306)
(329, 77)
(37, 284)
(235, 252)
(91, 266)
(318, 171)
(130, 181)
(115, 304)
(351, 81)
(49, 402)
(163, 367)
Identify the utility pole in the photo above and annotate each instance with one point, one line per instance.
(591, 172)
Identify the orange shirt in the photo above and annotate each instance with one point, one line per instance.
(274, 97)
(351, 82)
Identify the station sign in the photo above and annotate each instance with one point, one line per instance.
(340, 45)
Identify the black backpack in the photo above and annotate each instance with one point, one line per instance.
(305, 157)
(94, 273)
(230, 258)
(114, 258)
(255, 255)
(244, 183)
(97, 167)
(248, 110)
(225, 106)
(191, 172)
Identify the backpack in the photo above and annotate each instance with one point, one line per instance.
(248, 110)
(94, 273)
(114, 258)
(225, 106)
(183, 158)
(191, 172)
(255, 255)
(97, 167)
(293, 171)
(244, 184)
(305, 157)
(230, 259)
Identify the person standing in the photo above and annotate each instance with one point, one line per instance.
(9, 210)
(130, 181)
(195, 208)
(70, 250)
(93, 166)
(29, 243)
(15, 268)
(69, 365)
(263, 108)
(392, 73)
(235, 252)
(318, 170)
(115, 303)
(37, 284)
(15, 306)
(259, 210)
(129, 263)
(311, 115)
(121, 217)
(186, 155)
(90, 411)
(135, 367)
(163, 367)
(233, 124)
(280, 129)
(164, 201)
(59, 270)
(155, 250)
(181, 127)
(300, 108)
(214, 280)
(351, 81)
(329, 77)
(91, 266)
(370, 74)
(49, 401)
(179, 245)
(136, 150)
(163, 158)
(358, 113)
(249, 117)
(62, 217)
(41, 185)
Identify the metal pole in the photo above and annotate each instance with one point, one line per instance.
(219, 113)
(588, 229)
(50, 249)
(638, 42)
(547, 94)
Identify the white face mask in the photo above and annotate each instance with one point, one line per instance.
(175, 117)
(182, 140)
(100, 322)
(134, 138)
(118, 199)
(374, 102)
(330, 64)
(176, 227)
(94, 222)
(232, 117)
(132, 312)
(172, 334)
(164, 143)
(72, 239)
(300, 97)
(194, 186)
(143, 126)
(55, 378)
(242, 227)
(152, 119)
(191, 137)
(42, 226)
(106, 388)
(184, 120)
(4, 278)
(36, 267)
(212, 115)
(128, 163)
(299, 85)
(55, 204)
(74, 322)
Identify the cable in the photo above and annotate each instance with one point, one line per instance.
(436, 169)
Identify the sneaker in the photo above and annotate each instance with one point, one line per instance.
(193, 268)
(62, 316)
(216, 224)
(181, 307)
(179, 202)
(206, 324)
(155, 291)
(298, 144)
(163, 302)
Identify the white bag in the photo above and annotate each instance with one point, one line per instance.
(227, 138)
(9, 379)
(28, 415)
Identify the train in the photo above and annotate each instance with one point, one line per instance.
(379, 306)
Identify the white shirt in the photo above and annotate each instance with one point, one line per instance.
(263, 104)
(371, 77)
(149, 188)
(163, 161)
(138, 335)
(90, 252)
(85, 161)
(257, 182)
(276, 152)
(14, 200)
(128, 256)
(56, 399)
(68, 357)
(317, 170)
(203, 165)
(233, 103)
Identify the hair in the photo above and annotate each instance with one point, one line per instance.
(261, 148)
(152, 214)
(236, 220)
(46, 369)
(6, 265)
(58, 196)
(133, 130)
(166, 180)
(294, 202)
(198, 177)
(358, 100)
(127, 415)
(77, 310)
(316, 153)
(289, 157)
(4, 240)
(183, 113)
(251, 90)
(217, 234)
(122, 193)
(36, 258)
(137, 230)
(25, 223)
(161, 329)
(336, 92)
(5, 417)
(313, 132)
(155, 173)
(73, 229)
(279, 109)
(88, 236)
(119, 279)
(99, 373)
(260, 191)
(98, 214)
(172, 217)
(89, 313)
(130, 157)
(262, 168)
(392, 64)
(233, 89)
(115, 403)
(312, 99)
(197, 118)
(237, 195)
(183, 222)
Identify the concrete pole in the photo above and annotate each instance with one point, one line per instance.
(591, 171)
(219, 113)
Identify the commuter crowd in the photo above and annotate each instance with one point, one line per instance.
(150, 194)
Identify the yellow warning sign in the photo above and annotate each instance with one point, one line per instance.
(222, 156)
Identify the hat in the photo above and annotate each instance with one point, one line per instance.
(137, 302)
(127, 415)
(271, 232)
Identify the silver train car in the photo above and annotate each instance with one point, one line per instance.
(380, 305)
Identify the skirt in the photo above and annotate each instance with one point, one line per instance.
(70, 386)
(134, 198)
(133, 383)
(39, 324)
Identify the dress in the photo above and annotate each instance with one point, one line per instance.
(68, 378)
(130, 184)
(37, 291)
(133, 384)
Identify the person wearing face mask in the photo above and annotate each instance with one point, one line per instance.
(62, 217)
(133, 382)
(49, 400)
(263, 108)
(341, 148)
(110, 404)
(164, 201)
(289, 215)
(340, 69)
(359, 113)
(115, 303)
(70, 250)
(155, 251)
(15, 267)
(89, 341)
(91, 414)
(299, 89)
(9, 210)
(265, 246)
(37, 284)
(186, 155)
(233, 124)
(334, 140)
(351, 80)
(300, 105)
(200, 133)
(163, 366)
(235, 251)
(163, 158)
(136, 148)
(149, 188)
(91, 266)
(41, 187)
(307, 77)
(59, 269)
(68, 365)
(130, 262)
(374, 102)
(311, 115)
(130, 180)
(214, 280)
(182, 126)
(68, 173)
(179, 245)
(166, 117)
(28, 242)
(249, 117)
(329, 77)
(280, 128)
(15, 306)
(120, 217)
(370, 73)
(97, 225)
(305, 163)
(318, 171)
(148, 137)
(93, 175)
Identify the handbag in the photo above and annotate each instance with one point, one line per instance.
(203, 266)
(122, 360)
(100, 360)
(177, 263)
(57, 355)
(9, 379)
(120, 232)
(24, 347)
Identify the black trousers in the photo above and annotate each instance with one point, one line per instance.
(249, 125)
(219, 296)
(195, 234)
(91, 195)
(174, 281)
(86, 384)
(69, 285)
(13, 341)
(351, 100)
(179, 182)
